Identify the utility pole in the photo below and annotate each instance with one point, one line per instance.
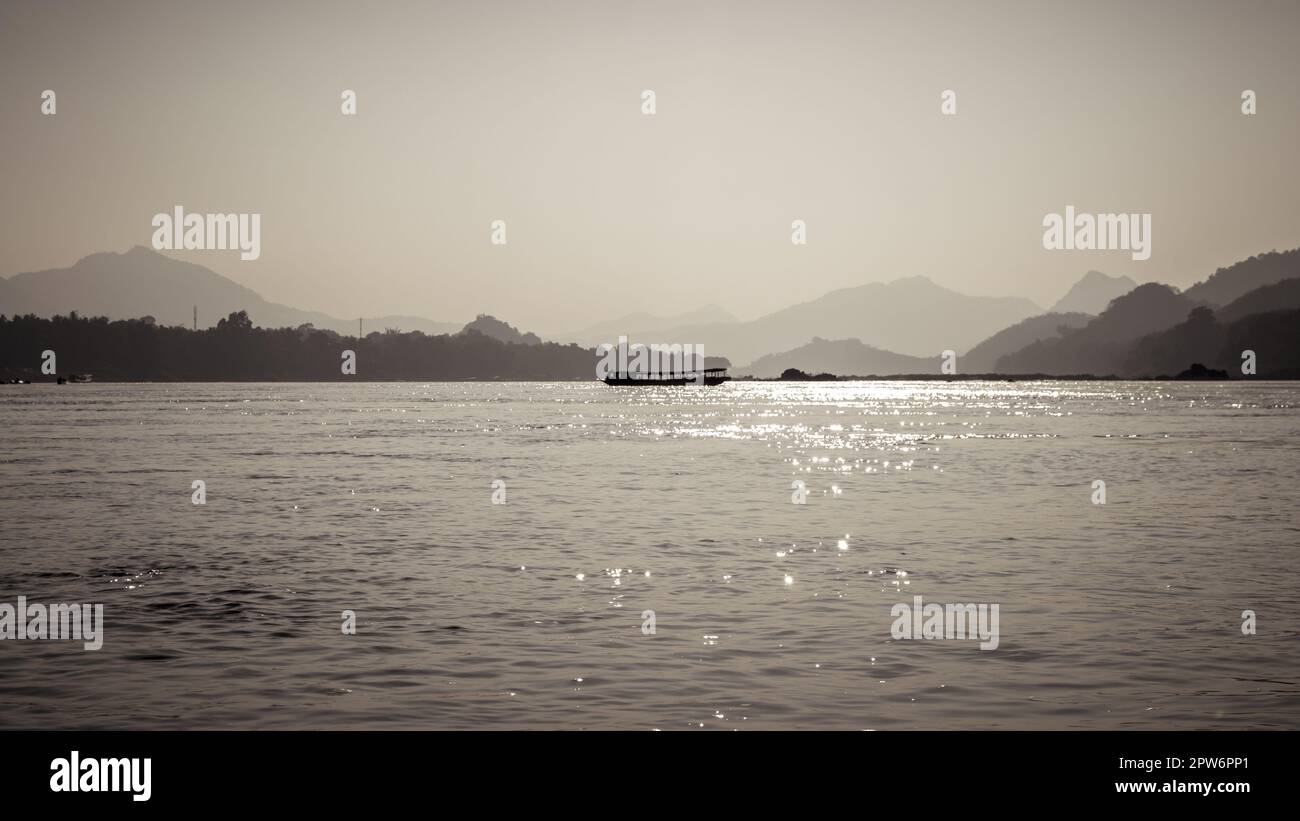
(360, 334)
(196, 317)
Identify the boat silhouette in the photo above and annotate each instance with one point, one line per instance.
(708, 376)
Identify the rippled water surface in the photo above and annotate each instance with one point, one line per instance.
(376, 498)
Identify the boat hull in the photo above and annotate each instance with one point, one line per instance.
(645, 383)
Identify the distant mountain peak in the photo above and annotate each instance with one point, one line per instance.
(135, 250)
(915, 279)
(1092, 293)
(844, 357)
(141, 255)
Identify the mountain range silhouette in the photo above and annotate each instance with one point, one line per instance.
(881, 329)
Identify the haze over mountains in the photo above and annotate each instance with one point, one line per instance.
(1145, 330)
(143, 282)
(983, 358)
(911, 316)
(1154, 329)
(838, 356)
(1092, 294)
(1240, 278)
(644, 326)
(1101, 346)
(890, 328)
(1116, 342)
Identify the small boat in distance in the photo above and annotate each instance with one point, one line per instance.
(709, 376)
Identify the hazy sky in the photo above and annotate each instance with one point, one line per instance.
(530, 112)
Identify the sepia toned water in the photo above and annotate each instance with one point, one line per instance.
(377, 498)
